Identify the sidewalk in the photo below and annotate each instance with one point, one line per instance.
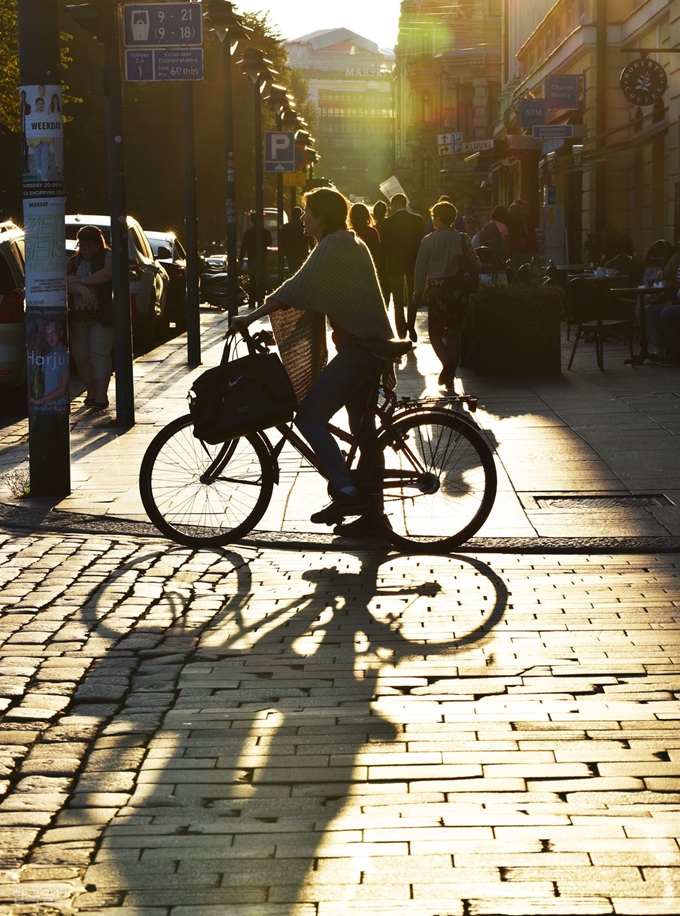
(345, 731)
(581, 434)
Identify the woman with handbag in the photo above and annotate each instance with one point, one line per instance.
(443, 256)
(338, 281)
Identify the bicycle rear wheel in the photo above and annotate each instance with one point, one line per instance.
(438, 482)
(205, 495)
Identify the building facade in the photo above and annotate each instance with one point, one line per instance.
(448, 87)
(350, 82)
(619, 169)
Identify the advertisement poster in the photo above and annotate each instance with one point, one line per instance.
(42, 141)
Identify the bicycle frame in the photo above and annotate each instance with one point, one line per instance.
(386, 413)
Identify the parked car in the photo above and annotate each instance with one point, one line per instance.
(148, 279)
(169, 251)
(12, 308)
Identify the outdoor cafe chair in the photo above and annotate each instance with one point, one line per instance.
(492, 269)
(586, 300)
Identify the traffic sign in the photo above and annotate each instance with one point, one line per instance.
(470, 146)
(156, 25)
(552, 131)
(295, 180)
(447, 139)
(163, 64)
(279, 155)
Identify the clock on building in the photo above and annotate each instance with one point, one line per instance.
(643, 81)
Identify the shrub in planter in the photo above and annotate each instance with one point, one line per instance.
(514, 330)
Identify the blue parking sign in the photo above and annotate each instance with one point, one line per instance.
(279, 155)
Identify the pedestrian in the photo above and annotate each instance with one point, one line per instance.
(523, 243)
(249, 251)
(379, 217)
(401, 235)
(496, 233)
(438, 269)
(361, 222)
(293, 242)
(379, 214)
(460, 219)
(88, 284)
(338, 280)
(662, 318)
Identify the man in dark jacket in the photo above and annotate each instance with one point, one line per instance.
(293, 242)
(401, 234)
(257, 261)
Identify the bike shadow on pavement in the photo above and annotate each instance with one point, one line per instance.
(298, 693)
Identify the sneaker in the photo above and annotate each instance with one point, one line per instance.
(342, 505)
(366, 526)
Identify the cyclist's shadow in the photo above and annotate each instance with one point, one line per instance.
(322, 654)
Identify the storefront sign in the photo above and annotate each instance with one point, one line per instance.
(532, 111)
(643, 81)
(552, 131)
(562, 91)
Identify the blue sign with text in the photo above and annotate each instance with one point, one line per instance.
(532, 111)
(562, 91)
(155, 25)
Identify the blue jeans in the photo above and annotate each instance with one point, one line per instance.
(345, 382)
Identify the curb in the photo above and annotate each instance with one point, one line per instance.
(43, 519)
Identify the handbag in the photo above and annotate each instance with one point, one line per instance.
(468, 272)
(241, 396)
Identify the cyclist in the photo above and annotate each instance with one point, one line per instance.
(338, 280)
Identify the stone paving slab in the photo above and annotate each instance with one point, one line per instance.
(256, 731)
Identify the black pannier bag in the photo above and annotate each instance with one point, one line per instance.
(241, 396)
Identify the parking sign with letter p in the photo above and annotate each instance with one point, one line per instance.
(279, 153)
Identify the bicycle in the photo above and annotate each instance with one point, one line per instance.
(427, 462)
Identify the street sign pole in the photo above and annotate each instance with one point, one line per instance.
(122, 323)
(191, 230)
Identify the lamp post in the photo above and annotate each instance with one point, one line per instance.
(228, 27)
(256, 66)
(282, 102)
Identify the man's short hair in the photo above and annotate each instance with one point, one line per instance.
(445, 212)
(398, 201)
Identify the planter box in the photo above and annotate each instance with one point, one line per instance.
(515, 331)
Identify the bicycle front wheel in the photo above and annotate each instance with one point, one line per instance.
(205, 495)
(437, 479)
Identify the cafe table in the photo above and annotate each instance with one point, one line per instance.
(641, 293)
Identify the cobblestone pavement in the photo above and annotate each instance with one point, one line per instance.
(294, 733)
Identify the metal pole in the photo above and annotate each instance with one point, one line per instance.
(122, 323)
(279, 222)
(190, 218)
(260, 249)
(232, 253)
(47, 357)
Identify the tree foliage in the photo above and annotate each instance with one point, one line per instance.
(153, 131)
